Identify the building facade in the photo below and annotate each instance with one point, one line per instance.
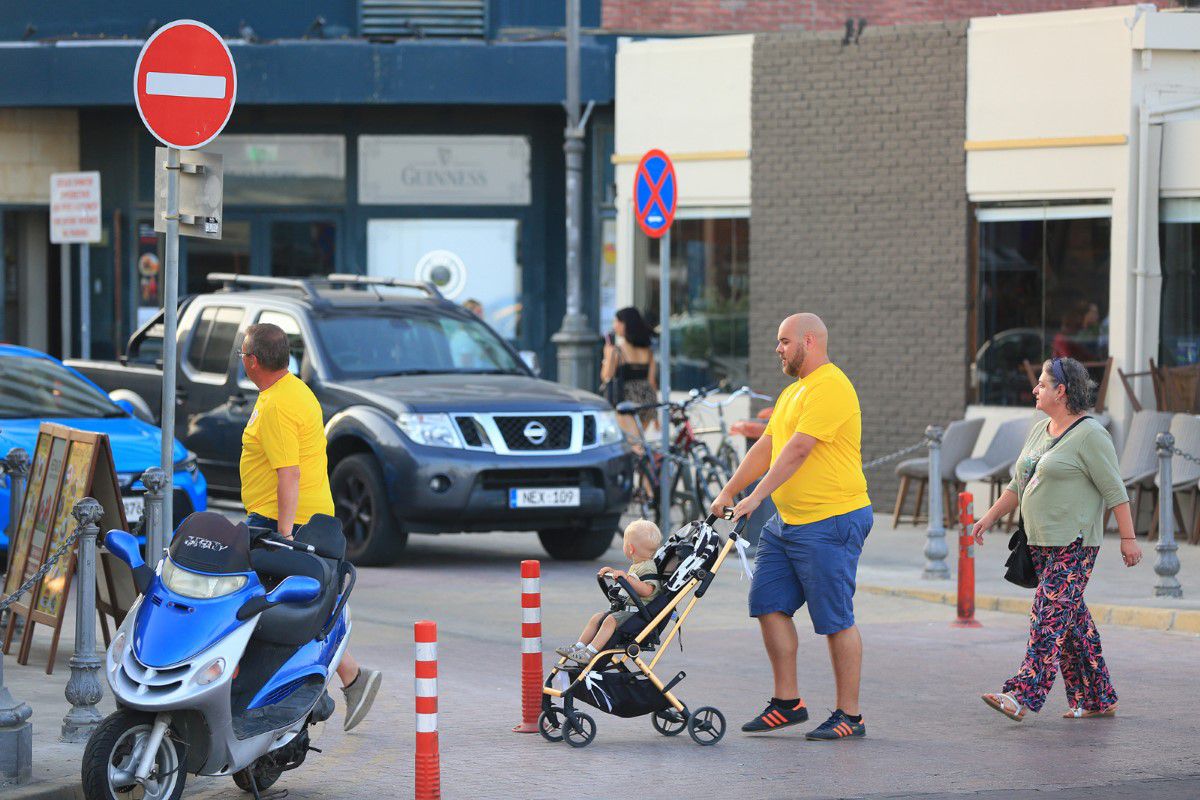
(367, 138)
(954, 199)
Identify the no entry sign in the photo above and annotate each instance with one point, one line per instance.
(655, 193)
(185, 84)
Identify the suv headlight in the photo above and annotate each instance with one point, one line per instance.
(435, 430)
(194, 584)
(607, 429)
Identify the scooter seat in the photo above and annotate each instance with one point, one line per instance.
(292, 623)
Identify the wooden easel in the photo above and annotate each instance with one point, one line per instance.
(68, 465)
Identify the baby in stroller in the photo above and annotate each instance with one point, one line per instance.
(641, 541)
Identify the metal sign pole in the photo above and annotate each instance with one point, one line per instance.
(85, 300)
(664, 376)
(170, 350)
(65, 279)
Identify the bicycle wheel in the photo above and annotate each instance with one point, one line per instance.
(644, 498)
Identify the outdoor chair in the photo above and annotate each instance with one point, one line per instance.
(995, 465)
(1034, 372)
(1139, 457)
(1127, 379)
(1179, 388)
(957, 444)
(1185, 475)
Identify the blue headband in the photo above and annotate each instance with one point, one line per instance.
(1056, 370)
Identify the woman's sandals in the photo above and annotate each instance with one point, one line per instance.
(1006, 704)
(1080, 713)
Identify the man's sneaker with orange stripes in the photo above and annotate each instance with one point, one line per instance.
(838, 726)
(777, 716)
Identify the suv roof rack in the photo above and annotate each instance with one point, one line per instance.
(308, 286)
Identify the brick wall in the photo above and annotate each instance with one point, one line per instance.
(860, 215)
(712, 16)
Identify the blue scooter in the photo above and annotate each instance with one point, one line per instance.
(212, 673)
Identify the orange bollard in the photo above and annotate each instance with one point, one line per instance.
(966, 563)
(429, 771)
(531, 646)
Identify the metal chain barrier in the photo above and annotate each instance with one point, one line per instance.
(893, 456)
(1175, 451)
(41, 573)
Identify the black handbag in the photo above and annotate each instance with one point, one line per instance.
(1019, 567)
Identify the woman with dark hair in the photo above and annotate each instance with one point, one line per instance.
(628, 369)
(1066, 478)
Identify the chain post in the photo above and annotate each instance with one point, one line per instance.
(935, 534)
(155, 481)
(1167, 566)
(84, 689)
(16, 466)
(16, 732)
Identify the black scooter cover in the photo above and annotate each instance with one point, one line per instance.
(207, 542)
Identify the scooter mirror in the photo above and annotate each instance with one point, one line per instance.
(125, 547)
(295, 589)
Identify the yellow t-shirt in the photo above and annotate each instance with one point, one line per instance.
(285, 430)
(830, 481)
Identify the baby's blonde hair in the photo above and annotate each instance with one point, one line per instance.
(643, 535)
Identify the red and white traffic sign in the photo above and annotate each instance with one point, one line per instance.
(185, 84)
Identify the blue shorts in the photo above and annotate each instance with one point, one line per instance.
(814, 564)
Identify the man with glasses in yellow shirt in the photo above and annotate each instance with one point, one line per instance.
(285, 472)
(810, 462)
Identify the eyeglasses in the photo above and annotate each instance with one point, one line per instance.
(237, 351)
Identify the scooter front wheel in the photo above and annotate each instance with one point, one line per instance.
(111, 756)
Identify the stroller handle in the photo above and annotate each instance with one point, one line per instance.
(738, 526)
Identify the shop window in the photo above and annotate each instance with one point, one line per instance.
(303, 249)
(1042, 291)
(230, 253)
(1179, 254)
(282, 169)
(710, 298)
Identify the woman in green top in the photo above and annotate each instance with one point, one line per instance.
(1066, 478)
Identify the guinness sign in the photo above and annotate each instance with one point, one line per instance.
(443, 170)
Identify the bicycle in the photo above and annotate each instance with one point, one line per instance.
(727, 454)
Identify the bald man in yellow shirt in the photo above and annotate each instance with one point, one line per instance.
(810, 462)
(285, 473)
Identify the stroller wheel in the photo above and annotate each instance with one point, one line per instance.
(579, 730)
(550, 725)
(669, 722)
(706, 725)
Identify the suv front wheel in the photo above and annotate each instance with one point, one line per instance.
(580, 544)
(360, 504)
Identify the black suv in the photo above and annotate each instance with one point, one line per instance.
(434, 422)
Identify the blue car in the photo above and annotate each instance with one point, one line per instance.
(36, 388)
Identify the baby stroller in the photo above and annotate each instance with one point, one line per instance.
(618, 680)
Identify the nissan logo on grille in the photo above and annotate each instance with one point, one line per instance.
(535, 432)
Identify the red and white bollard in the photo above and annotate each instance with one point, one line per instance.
(531, 646)
(966, 563)
(429, 771)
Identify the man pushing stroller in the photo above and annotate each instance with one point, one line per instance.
(641, 541)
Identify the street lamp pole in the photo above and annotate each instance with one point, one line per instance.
(576, 341)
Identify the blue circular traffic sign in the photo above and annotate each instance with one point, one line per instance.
(655, 193)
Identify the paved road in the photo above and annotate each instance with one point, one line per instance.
(929, 735)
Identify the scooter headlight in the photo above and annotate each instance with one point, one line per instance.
(118, 649)
(211, 672)
(194, 584)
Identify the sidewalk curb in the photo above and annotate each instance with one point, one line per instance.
(1156, 619)
(42, 790)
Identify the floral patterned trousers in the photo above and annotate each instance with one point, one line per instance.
(1062, 634)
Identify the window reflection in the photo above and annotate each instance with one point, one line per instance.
(710, 298)
(1179, 246)
(1043, 292)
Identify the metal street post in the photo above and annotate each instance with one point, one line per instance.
(64, 271)
(84, 689)
(170, 351)
(154, 479)
(935, 534)
(664, 376)
(576, 341)
(85, 300)
(1167, 566)
(16, 732)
